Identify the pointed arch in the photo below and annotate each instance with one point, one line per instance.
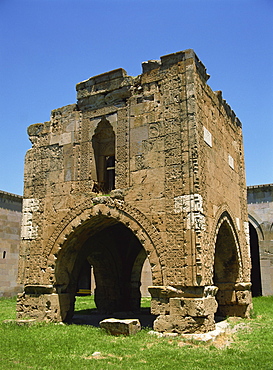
(227, 267)
(96, 214)
(103, 143)
(115, 239)
(226, 256)
(224, 215)
(256, 222)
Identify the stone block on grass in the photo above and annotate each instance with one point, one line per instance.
(121, 327)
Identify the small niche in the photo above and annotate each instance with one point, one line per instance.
(4, 254)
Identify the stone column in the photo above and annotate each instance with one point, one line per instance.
(185, 310)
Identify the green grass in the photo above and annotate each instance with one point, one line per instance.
(85, 303)
(55, 346)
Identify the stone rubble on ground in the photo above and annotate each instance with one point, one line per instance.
(121, 327)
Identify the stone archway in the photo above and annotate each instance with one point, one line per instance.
(113, 250)
(227, 266)
(116, 244)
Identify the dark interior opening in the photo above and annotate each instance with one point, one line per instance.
(103, 142)
(226, 269)
(255, 262)
(116, 257)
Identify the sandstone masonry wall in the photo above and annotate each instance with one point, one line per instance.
(10, 224)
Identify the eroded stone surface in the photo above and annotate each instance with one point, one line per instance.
(121, 327)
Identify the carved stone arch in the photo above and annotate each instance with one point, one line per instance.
(89, 215)
(223, 211)
(256, 222)
(224, 214)
(227, 266)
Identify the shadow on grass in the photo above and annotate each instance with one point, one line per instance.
(93, 317)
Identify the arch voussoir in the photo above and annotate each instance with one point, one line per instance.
(118, 212)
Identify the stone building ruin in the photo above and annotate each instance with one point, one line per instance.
(260, 214)
(141, 167)
(10, 225)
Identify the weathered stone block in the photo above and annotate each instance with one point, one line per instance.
(48, 307)
(193, 306)
(226, 297)
(160, 306)
(184, 324)
(235, 310)
(121, 327)
(244, 297)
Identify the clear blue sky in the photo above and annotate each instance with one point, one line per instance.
(47, 46)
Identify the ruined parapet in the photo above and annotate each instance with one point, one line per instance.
(147, 166)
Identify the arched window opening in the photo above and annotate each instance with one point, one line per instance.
(103, 143)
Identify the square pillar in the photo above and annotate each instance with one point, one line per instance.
(184, 310)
